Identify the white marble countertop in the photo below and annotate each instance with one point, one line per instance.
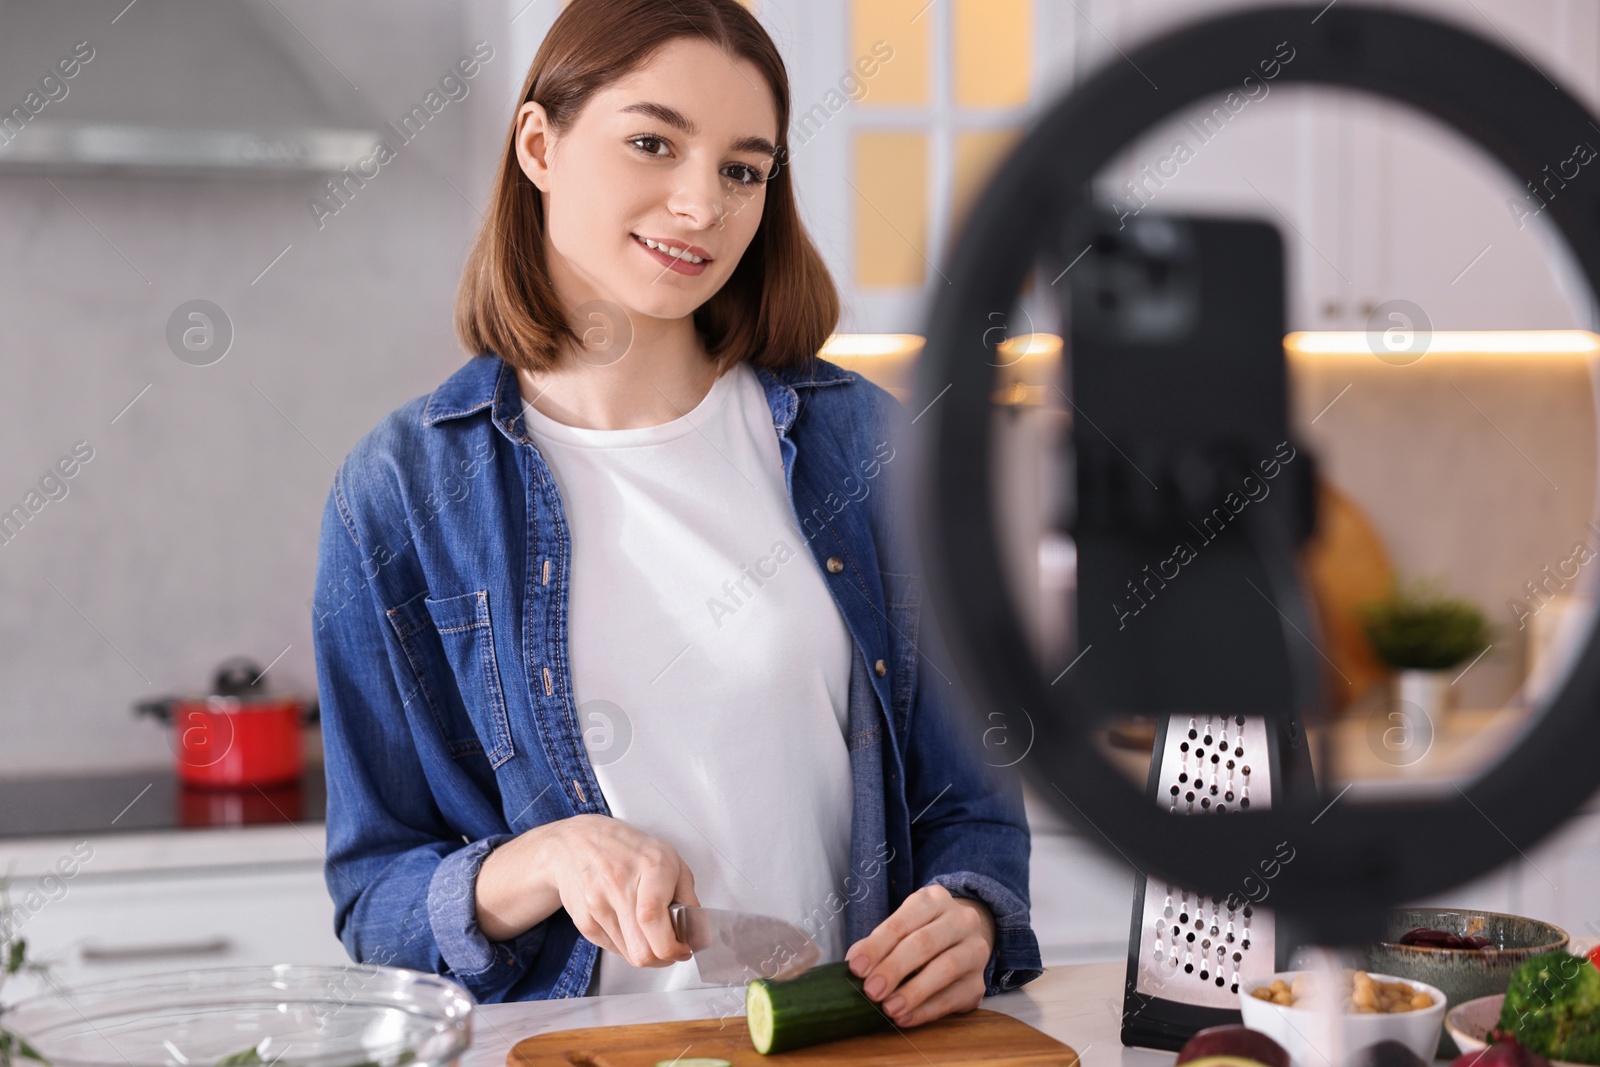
(1080, 1004)
(148, 851)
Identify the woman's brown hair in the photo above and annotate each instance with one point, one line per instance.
(779, 305)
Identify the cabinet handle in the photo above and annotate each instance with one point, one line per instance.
(120, 953)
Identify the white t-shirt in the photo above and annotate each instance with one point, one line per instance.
(710, 666)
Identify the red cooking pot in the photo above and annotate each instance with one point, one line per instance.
(237, 735)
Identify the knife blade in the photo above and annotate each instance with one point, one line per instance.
(732, 947)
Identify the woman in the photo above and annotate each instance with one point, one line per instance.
(622, 614)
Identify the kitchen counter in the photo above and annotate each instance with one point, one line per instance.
(149, 800)
(1079, 1004)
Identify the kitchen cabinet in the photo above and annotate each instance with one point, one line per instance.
(1407, 210)
(144, 903)
(1374, 201)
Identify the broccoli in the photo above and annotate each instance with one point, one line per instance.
(1553, 999)
(1583, 1044)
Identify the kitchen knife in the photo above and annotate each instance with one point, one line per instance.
(733, 947)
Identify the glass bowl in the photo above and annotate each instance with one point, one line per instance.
(288, 1015)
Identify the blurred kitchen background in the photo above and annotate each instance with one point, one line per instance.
(181, 170)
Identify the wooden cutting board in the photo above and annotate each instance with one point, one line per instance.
(1347, 566)
(978, 1038)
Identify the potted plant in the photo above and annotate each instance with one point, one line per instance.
(14, 1051)
(1422, 633)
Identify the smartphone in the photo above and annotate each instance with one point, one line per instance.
(1182, 463)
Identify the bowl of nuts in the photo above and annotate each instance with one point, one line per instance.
(1323, 1018)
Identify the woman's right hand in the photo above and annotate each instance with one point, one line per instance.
(615, 881)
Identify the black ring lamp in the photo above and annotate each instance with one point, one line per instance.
(1354, 859)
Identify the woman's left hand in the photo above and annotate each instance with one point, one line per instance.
(950, 938)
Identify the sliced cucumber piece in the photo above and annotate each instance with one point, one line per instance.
(826, 1003)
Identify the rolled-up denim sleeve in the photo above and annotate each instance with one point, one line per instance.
(453, 914)
(1015, 959)
(403, 880)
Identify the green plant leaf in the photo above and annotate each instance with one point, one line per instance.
(1421, 627)
(14, 1046)
(247, 1058)
(29, 1051)
(15, 954)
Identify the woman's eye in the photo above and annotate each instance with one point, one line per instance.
(748, 174)
(653, 140)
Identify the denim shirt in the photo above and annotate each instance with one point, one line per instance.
(440, 635)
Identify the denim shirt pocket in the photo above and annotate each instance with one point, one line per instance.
(450, 644)
(902, 594)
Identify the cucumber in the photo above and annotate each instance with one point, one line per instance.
(825, 1003)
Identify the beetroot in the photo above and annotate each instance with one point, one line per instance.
(1509, 1053)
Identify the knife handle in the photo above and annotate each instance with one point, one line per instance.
(680, 922)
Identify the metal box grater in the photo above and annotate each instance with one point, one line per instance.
(1188, 953)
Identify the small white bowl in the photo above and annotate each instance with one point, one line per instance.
(1310, 1038)
(1469, 1024)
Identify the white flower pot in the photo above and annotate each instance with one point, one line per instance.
(1427, 691)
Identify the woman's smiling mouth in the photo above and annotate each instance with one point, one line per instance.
(688, 258)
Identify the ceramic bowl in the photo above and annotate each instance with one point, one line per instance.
(1463, 974)
(1310, 1037)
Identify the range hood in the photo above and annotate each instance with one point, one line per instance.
(171, 88)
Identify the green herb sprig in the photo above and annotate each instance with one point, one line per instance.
(14, 1049)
